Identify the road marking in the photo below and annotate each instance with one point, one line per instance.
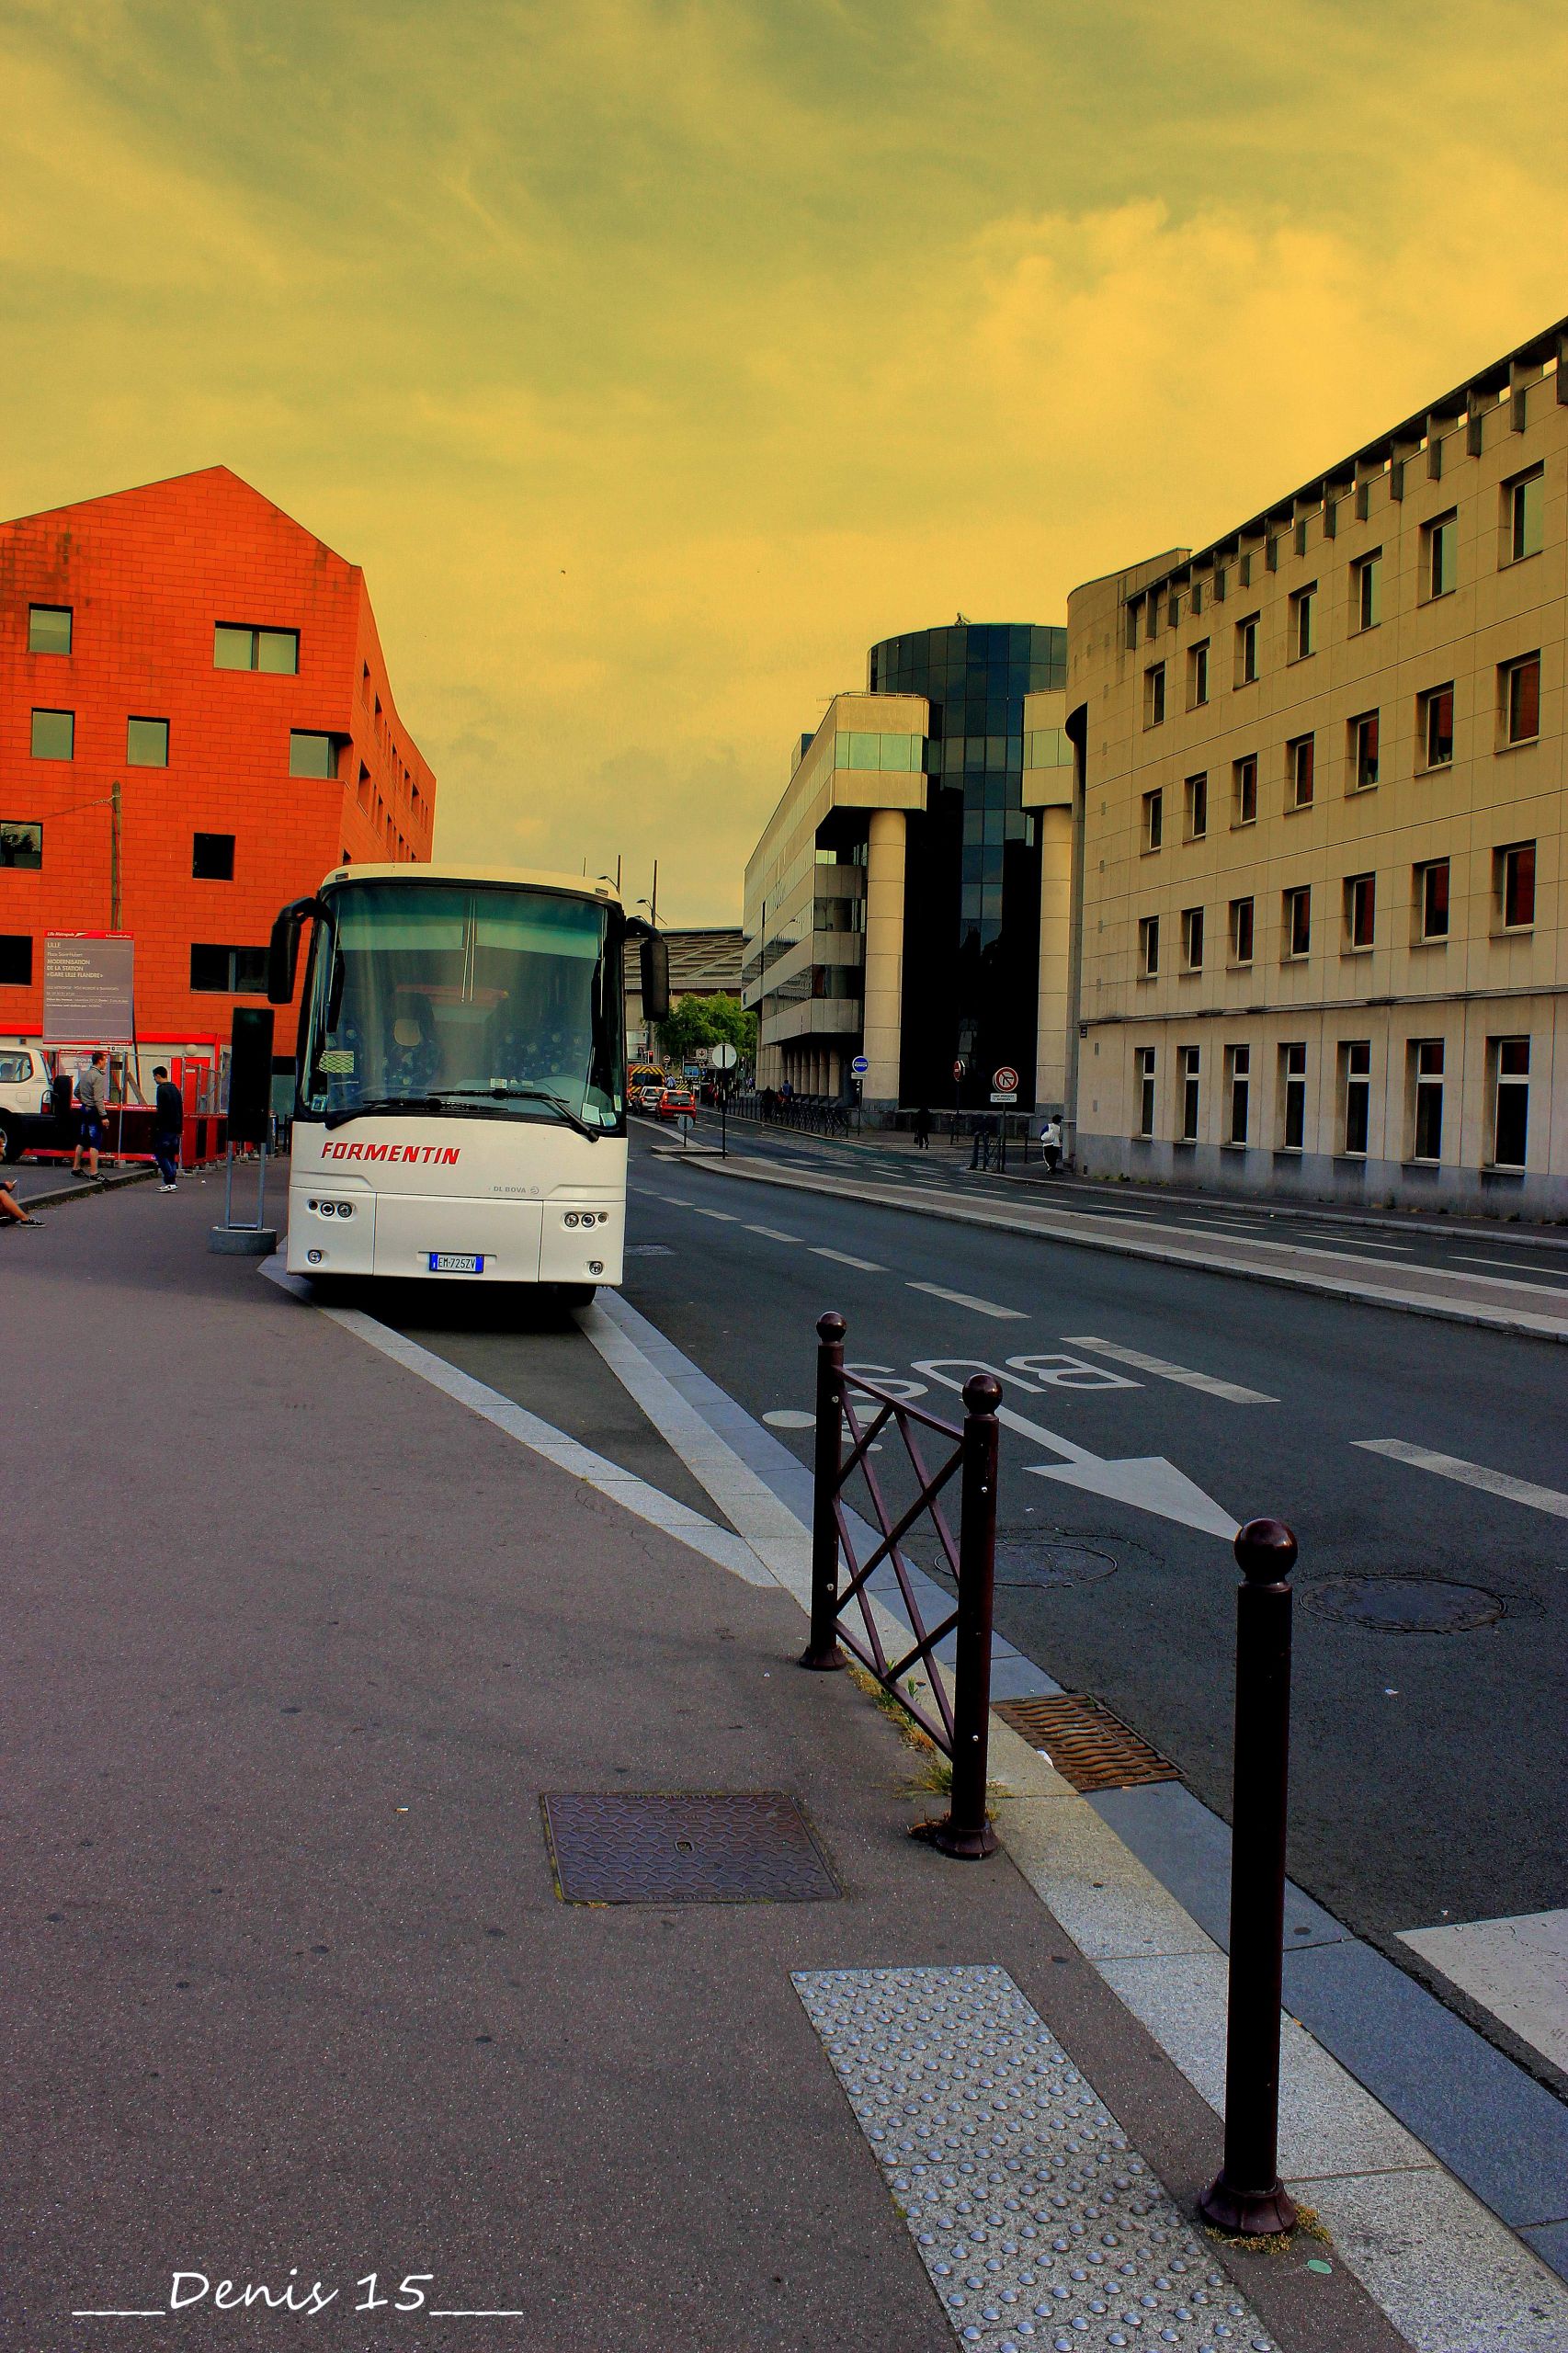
(790, 1418)
(1468, 1474)
(771, 1233)
(1520, 1266)
(722, 1215)
(843, 1258)
(1520, 1282)
(1146, 1481)
(1518, 1968)
(965, 1298)
(1180, 1373)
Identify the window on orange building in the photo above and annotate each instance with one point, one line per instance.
(15, 960)
(54, 735)
(228, 972)
(212, 858)
(235, 647)
(147, 743)
(313, 755)
(21, 842)
(49, 629)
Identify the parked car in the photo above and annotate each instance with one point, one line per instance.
(26, 1105)
(677, 1103)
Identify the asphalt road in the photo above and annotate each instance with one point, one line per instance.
(1427, 1765)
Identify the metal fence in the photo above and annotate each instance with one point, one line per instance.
(957, 1722)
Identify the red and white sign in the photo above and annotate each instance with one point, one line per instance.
(959, 1067)
(1005, 1080)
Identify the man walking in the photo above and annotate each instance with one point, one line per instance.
(923, 1128)
(1051, 1145)
(168, 1125)
(92, 1094)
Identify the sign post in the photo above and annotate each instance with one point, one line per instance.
(724, 1058)
(859, 1066)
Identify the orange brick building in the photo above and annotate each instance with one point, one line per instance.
(190, 645)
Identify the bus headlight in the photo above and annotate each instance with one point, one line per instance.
(596, 1266)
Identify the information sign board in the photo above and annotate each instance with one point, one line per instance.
(88, 987)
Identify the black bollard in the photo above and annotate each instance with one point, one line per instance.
(822, 1652)
(1246, 2195)
(966, 1834)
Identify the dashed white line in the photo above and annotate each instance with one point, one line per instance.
(1179, 1372)
(722, 1216)
(771, 1233)
(1522, 1273)
(967, 1299)
(843, 1258)
(1468, 1474)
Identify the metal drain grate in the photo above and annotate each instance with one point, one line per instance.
(1087, 1745)
(684, 1846)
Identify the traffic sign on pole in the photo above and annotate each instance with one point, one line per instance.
(1005, 1080)
(724, 1057)
(859, 1065)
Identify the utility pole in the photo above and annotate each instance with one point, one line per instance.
(654, 901)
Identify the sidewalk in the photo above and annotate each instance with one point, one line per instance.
(292, 1986)
(1328, 1266)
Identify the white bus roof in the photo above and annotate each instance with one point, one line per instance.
(575, 885)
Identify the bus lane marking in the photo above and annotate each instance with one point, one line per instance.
(1146, 1482)
(1468, 1474)
(1178, 1372)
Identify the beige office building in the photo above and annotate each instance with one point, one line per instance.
(1319, 930)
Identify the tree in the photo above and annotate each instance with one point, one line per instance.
(707, 1021)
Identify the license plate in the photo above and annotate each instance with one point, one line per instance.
(455, 1262)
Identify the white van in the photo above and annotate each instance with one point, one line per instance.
(24, 1100)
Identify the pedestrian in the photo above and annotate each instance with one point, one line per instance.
(984, 1130)
(168, 1126)
(1051, 1144)
(923, 1128)
(92, 1094)
(11, 1208)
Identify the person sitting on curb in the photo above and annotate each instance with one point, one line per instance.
(91, 1093)
(11, 1208)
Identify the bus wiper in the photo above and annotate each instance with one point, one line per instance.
(380, 1104)
(533, 1094)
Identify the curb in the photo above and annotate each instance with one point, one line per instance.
(1318, 1286)
(89, 1188)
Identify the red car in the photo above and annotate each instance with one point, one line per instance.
(677, 1103)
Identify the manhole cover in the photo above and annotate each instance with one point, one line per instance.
(1089, 1747)
(684, 1846)
(1405, 1605)
(1047, 1562)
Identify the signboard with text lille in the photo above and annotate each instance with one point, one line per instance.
(88, 987)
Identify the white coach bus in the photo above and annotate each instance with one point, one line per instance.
(460, 1075)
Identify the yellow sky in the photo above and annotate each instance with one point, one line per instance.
(654, 356)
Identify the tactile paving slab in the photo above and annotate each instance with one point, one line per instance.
(1036, 2222)
(684, 1846)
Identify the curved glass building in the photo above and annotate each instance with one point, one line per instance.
(971, 887)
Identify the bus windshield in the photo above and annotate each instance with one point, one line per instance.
(491, 999)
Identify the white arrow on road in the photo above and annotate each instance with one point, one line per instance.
(1147, 1482)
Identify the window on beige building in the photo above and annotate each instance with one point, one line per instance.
(1244, 790)
(1154, 820)
(1524, 514)
(1192, 940)
(1297, 928)
(1363, 752)
(1425, 1079)
(1148, 946)
(1432, 900)
(1518, 699)
(1303, 622)
(1292, 1098)
(1145, 1066)
(1367, 590)
(1439, 554)
(1190, 1061)
(1354, 1097)
(1435, 716)
(1153, 694)
(1196, 807)
(1198, 674)
(1238, 1090)
(1360, 910)
(1508, 1065)
(1301, 771)
(1246, 651)
(1241, 931)
(1513, 886)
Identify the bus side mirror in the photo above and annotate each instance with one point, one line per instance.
(283, 949)
(655, 977)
